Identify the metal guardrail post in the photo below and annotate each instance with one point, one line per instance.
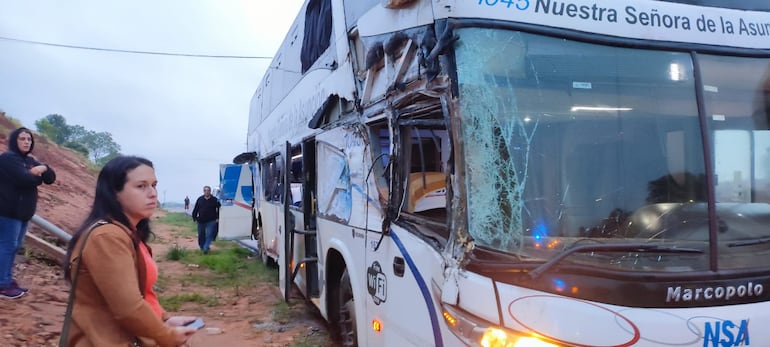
(51, 229)
(55, 252)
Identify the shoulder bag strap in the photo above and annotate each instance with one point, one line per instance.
(68, 314)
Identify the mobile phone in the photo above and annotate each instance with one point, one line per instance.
(197, 323)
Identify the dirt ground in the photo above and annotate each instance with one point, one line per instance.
(243, 317)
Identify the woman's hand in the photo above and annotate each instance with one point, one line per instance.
(179, 321)
(38, 170)
(182, 334)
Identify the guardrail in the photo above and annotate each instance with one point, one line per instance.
(55, 252)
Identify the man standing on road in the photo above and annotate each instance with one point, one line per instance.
(186, 203)
(206, 214)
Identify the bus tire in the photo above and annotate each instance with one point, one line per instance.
(347, 313)
(256, 227)
(263, 253)
(256, 234)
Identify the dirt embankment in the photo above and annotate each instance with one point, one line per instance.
(67, 201)
(35, 319)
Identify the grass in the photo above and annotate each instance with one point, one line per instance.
(231, 266)
(282, 312)
(312, 340)
(178, 219)
(175, 302)
(176, 253)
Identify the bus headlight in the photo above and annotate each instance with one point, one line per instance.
(476, 332)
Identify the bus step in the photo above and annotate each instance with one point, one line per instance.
(299, 265)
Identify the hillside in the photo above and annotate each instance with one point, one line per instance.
(36, 319)
(66, 202)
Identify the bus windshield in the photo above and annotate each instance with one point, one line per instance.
(569, 142)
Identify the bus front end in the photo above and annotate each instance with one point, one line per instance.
(615, 191)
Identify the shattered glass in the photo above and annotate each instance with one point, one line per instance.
(500, 145)
(566, 142)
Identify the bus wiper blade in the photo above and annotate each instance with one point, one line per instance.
(749, 242)
(612, 247)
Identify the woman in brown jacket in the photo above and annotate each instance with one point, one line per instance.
(114, 303)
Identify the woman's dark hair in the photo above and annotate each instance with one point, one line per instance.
(111, 181)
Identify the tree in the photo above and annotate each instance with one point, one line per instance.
(101, 146)
(55, 127)
(75, 139)
(77, 147)
(103, 160)
(76, 133)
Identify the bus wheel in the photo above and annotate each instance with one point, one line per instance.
(263, 253)
(266, 259)
(347, 313)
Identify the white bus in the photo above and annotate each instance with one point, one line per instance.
(235, 194)
(521, 172)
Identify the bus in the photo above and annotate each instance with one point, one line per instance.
(235, 194)
(520, 172)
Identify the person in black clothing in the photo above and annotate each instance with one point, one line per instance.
(20, 175)
(206, 214)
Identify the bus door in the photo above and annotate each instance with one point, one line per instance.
(285, 237)
(270, 212)
(311, 257)
(256, 184)
(300, 213)
(293, 220)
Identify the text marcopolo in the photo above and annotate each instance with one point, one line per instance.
(676, 294)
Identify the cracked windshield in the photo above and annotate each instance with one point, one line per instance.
(591, 144)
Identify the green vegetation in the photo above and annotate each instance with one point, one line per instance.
(312, 340)
(97, 146)
(230, 267)
(180, 220)
(175, 302)
(176, 253)
(282, 313)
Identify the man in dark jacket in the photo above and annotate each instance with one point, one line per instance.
(20, 175)
(206, 214)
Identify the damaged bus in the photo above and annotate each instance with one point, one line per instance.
(520, 172)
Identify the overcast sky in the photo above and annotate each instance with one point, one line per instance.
(186, 114)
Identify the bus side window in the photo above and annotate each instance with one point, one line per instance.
(380, 140)
(273, 176)
(295, 174)
(426, 180)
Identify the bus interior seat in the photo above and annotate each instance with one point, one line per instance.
(428, 194)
